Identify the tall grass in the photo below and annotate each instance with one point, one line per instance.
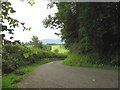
(10, 80)
(82, 60)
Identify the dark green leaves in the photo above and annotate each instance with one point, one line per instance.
(88, 27)
(6, 10)
(12, 10)
(4, 28)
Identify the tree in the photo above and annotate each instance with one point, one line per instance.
(88, 28)
(36, 43)
(12, 52)
(5, 12)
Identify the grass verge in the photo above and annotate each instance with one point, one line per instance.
(11, 80)
(81, 61)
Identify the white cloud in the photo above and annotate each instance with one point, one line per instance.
(33, 17)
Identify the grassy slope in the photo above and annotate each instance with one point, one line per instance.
(11, 80)
(61, 49)
(81, 61)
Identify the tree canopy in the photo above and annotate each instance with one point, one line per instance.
(36, 42)
(88, 28)
(5, 11)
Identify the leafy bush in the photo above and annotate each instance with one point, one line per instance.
(17, 55)
(90, 60)
(56, 51)
(47, 47)
(74, 59)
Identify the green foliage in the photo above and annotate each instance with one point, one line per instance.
(36, 43)
(89, 28)
(13, 56)
(26, 55)
(56, 51)
(16, 55)
(88, 60)
(47, 47)
(9, 80)
(5, 12)
(74, 59)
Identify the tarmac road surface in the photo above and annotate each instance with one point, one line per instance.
(57, 75)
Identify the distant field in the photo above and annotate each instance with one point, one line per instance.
(61, 48)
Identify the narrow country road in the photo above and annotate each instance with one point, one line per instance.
(57, 75)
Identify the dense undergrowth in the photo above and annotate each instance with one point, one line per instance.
(17, 55)
(89, 29)
(19, 59)
(87, 60)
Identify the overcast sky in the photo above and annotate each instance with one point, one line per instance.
(33, 17)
